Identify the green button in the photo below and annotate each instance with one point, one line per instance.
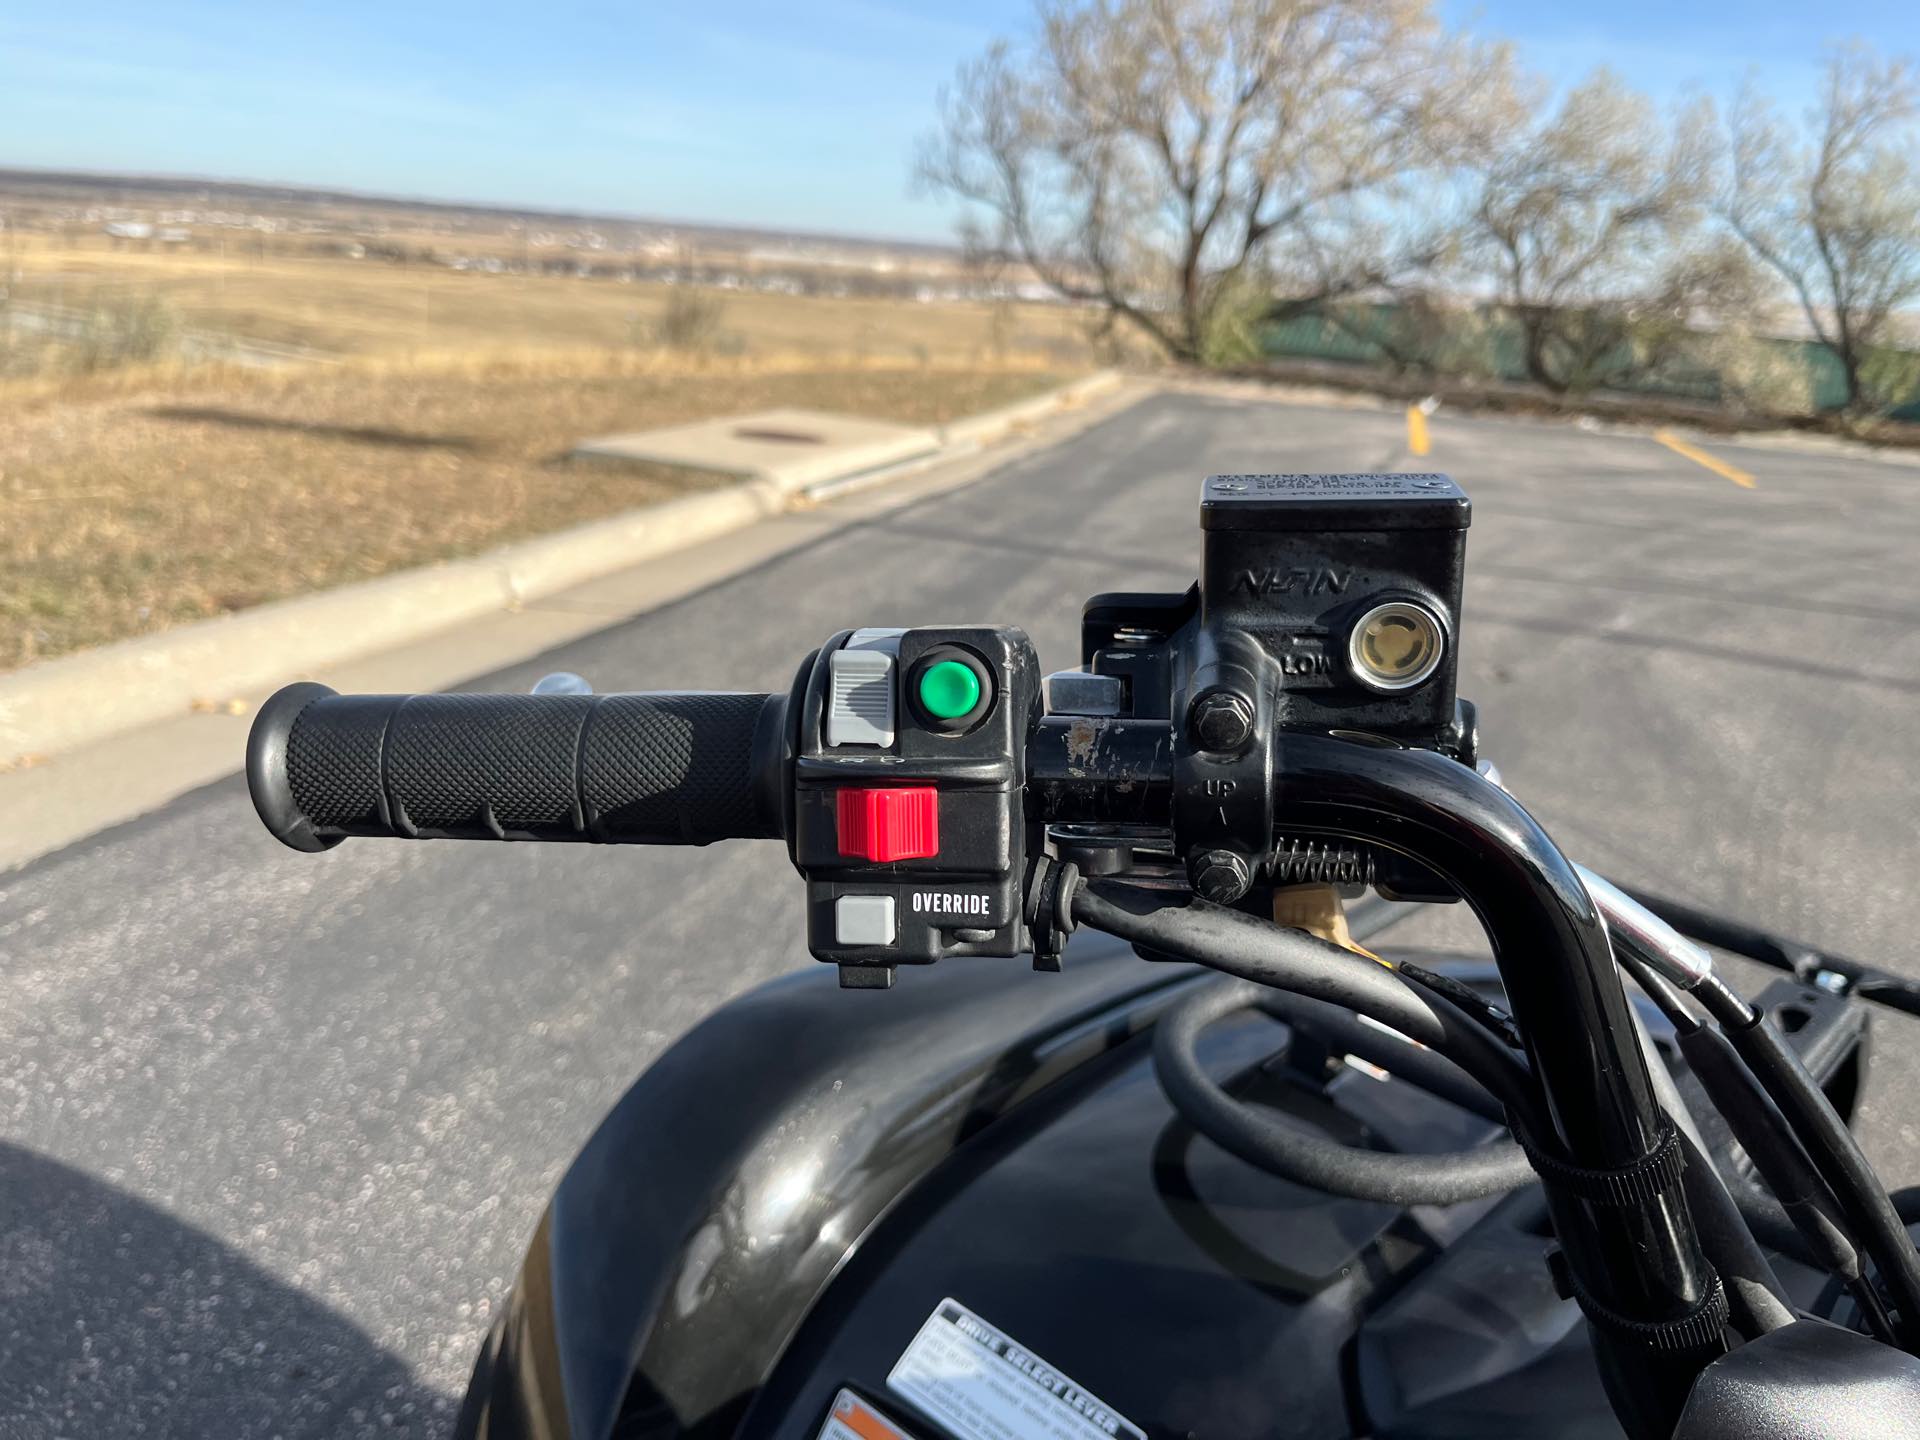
(949, 690)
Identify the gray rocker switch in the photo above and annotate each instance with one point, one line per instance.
(860, 692)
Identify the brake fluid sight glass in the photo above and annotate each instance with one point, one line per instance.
(1395, 646)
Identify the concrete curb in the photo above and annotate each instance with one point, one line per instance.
(991, 424)
(65, 703)
(966, 437)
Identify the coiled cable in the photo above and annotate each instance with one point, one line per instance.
(1259, 952)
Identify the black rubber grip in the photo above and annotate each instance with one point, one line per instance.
(654, 769)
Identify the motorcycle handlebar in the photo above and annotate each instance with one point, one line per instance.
(645, 769)
(692, 768)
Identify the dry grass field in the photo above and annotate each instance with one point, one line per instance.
(189, 430)
(125, 515)
(377, 308)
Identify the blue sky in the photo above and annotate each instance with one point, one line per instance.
(745, 111)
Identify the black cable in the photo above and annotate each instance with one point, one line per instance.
(1254, 950)
(1667, 996)
(1802, 1198)
(1864, 982)
(1795, 1212)
(1345, 1033)
(1266, 954)
(1757, 1301)
(1831, 1230)
(1870, 1214)
(1270, 1143)
(1476, 1005)
(1269, 956)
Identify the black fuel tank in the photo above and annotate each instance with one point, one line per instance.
(778, 1206)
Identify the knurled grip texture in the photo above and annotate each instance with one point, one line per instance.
(654, 769)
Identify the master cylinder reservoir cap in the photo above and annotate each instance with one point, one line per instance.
(1386, 500)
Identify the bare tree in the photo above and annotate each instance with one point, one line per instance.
(1833, 207)
(1576, 219)
(1169, 159)
(1719, 306)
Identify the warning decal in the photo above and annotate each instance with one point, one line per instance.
(853, 1419)
(981, 1385)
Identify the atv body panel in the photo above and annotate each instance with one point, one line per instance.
(777, 1205)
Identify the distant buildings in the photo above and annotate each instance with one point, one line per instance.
(134, 212)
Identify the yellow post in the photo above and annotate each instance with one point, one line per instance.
(1418, 441)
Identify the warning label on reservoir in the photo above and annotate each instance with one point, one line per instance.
(983, 1385)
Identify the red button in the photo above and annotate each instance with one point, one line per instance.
(887, 825)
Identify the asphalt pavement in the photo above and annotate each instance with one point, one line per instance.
(274, 1128)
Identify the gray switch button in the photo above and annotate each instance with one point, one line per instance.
(863, 920)
(860, 697)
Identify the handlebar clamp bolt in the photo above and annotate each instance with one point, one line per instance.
(1221, 876)
(1221, 722)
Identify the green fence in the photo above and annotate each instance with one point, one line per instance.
(1492, 346)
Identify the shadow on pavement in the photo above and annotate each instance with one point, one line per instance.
(118, 1320)
(365, 434)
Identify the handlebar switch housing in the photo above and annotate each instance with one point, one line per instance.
(912, 838)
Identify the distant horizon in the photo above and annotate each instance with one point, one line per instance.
(750, 114)
(396, 199)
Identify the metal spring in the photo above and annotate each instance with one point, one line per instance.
(1309, 862)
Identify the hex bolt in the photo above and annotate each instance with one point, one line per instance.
(1221, 722)
(1221, 876)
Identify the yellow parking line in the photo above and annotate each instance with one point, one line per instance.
(1418, 441)
(1700, 457)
